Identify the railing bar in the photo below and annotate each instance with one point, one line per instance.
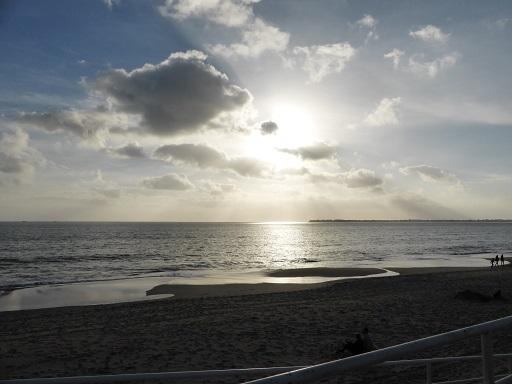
(149, 376)
(466, 380)
(428, 372)
(487, 358)
(506, 380)
(333, 368)
(227, 372)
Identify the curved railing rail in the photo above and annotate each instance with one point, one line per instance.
(334, 368)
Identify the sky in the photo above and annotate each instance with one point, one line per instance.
(247, 110)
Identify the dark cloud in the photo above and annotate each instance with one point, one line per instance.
(362, 178)
(18, 159)
(170, 181)
(204, 156)
(317, 151)
(268, 128)
(83, 124)
(179, 95)
(131, 150)
(355, 178)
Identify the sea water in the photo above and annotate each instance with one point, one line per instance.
(34, 254)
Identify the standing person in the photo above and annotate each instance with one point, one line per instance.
(492, 262)
(502, 260)
(497, 260)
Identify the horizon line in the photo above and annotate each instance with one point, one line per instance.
(312, 221)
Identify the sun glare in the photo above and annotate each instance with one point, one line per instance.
(295, 129)
(295, 124)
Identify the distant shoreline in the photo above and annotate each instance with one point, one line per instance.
(256, 222)
(411, 220)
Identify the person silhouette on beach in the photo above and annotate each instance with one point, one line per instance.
(354, 347)
(497, 260)
(368, 344)
(492, 262)
(502, 260)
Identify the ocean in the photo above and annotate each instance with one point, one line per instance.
(47, 253)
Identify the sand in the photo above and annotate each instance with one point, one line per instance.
(199, 290)
(266, 329)
(325, 272)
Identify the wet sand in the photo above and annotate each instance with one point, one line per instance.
(255, 330)
(325, 272)
(197, 290)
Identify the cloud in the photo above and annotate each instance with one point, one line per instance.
(18, 159)
(218, 189)
(395, 55)
(268, 128)
(204, 156)
(247, 166)
(130, 150)
(434, 67)
(229, 13)
(319, 61)
(354, 178)
(180, 95)
(86, 125)
(111, 3)
(431, 34)
(385, 113)
(499, 24)
(257, 37)
(170, 181)
(317, 151)
(361, 178)
(429, 173)
(199, 155)
(367, 21)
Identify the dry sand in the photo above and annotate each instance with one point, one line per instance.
(286, 328)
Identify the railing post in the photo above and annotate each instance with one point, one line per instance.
(428, 366)
(487, 358)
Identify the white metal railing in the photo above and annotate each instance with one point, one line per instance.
(215, 373)
(334, 368)
(303, 374)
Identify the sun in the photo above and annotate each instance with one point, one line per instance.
(295, 129)
(295, 124)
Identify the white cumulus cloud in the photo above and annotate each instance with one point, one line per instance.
(431, 34)
(385, 113)
(257, 38)
(319, 61)
(229, 13)
(395, 55)
(421, 67)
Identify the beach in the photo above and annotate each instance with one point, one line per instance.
(241, 329)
